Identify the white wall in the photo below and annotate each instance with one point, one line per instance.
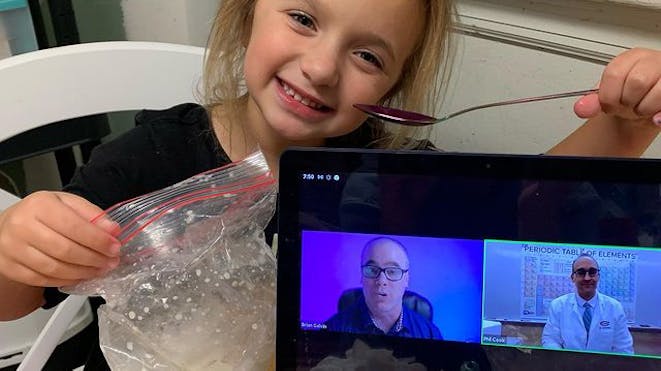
(485, 73)
(176, 21)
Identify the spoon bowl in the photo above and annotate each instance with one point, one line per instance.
(395, 115)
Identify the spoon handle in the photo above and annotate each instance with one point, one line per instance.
(521, 100)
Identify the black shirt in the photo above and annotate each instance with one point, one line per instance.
(165, 147)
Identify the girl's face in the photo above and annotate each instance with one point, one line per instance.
(308, 61)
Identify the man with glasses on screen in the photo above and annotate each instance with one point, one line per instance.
(385, 277)
(587, 319)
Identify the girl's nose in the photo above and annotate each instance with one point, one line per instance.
(320, 66)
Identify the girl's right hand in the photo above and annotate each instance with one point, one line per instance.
(47, 240)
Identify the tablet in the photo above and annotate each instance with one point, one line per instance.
(428, 260)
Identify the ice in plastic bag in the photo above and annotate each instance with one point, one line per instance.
(195, 288)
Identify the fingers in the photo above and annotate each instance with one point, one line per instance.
(108, 225)
(54, 267)
(59, 247)
(88, 211)
(613, 80)
(641, 85)
(20, 273)
(73, 222)
(48, 266)
(650, 104)
(587, 106)
(47, 239)
(630, 86)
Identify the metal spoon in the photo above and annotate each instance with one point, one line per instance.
(417, 119)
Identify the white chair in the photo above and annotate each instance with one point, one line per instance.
(73, 81)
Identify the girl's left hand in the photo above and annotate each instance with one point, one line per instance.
(630, 89)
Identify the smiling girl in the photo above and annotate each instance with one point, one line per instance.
(305, 63)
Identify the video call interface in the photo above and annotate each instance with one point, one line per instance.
(492, 262)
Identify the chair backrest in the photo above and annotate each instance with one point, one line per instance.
(66, 82)
(56, 84)
(411, 300)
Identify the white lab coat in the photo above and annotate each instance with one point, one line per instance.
(564, 328)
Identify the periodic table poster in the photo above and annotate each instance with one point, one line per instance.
(546, 270)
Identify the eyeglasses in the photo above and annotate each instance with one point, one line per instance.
(581, 272)
(391, 273)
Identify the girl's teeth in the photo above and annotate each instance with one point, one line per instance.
(298, 98)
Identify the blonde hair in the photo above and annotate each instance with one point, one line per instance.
(420, 88)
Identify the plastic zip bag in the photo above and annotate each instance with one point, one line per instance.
(195, 287)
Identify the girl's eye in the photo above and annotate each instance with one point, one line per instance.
(303, 19)
(370, 58)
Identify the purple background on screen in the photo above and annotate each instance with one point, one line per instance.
(448, 272)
